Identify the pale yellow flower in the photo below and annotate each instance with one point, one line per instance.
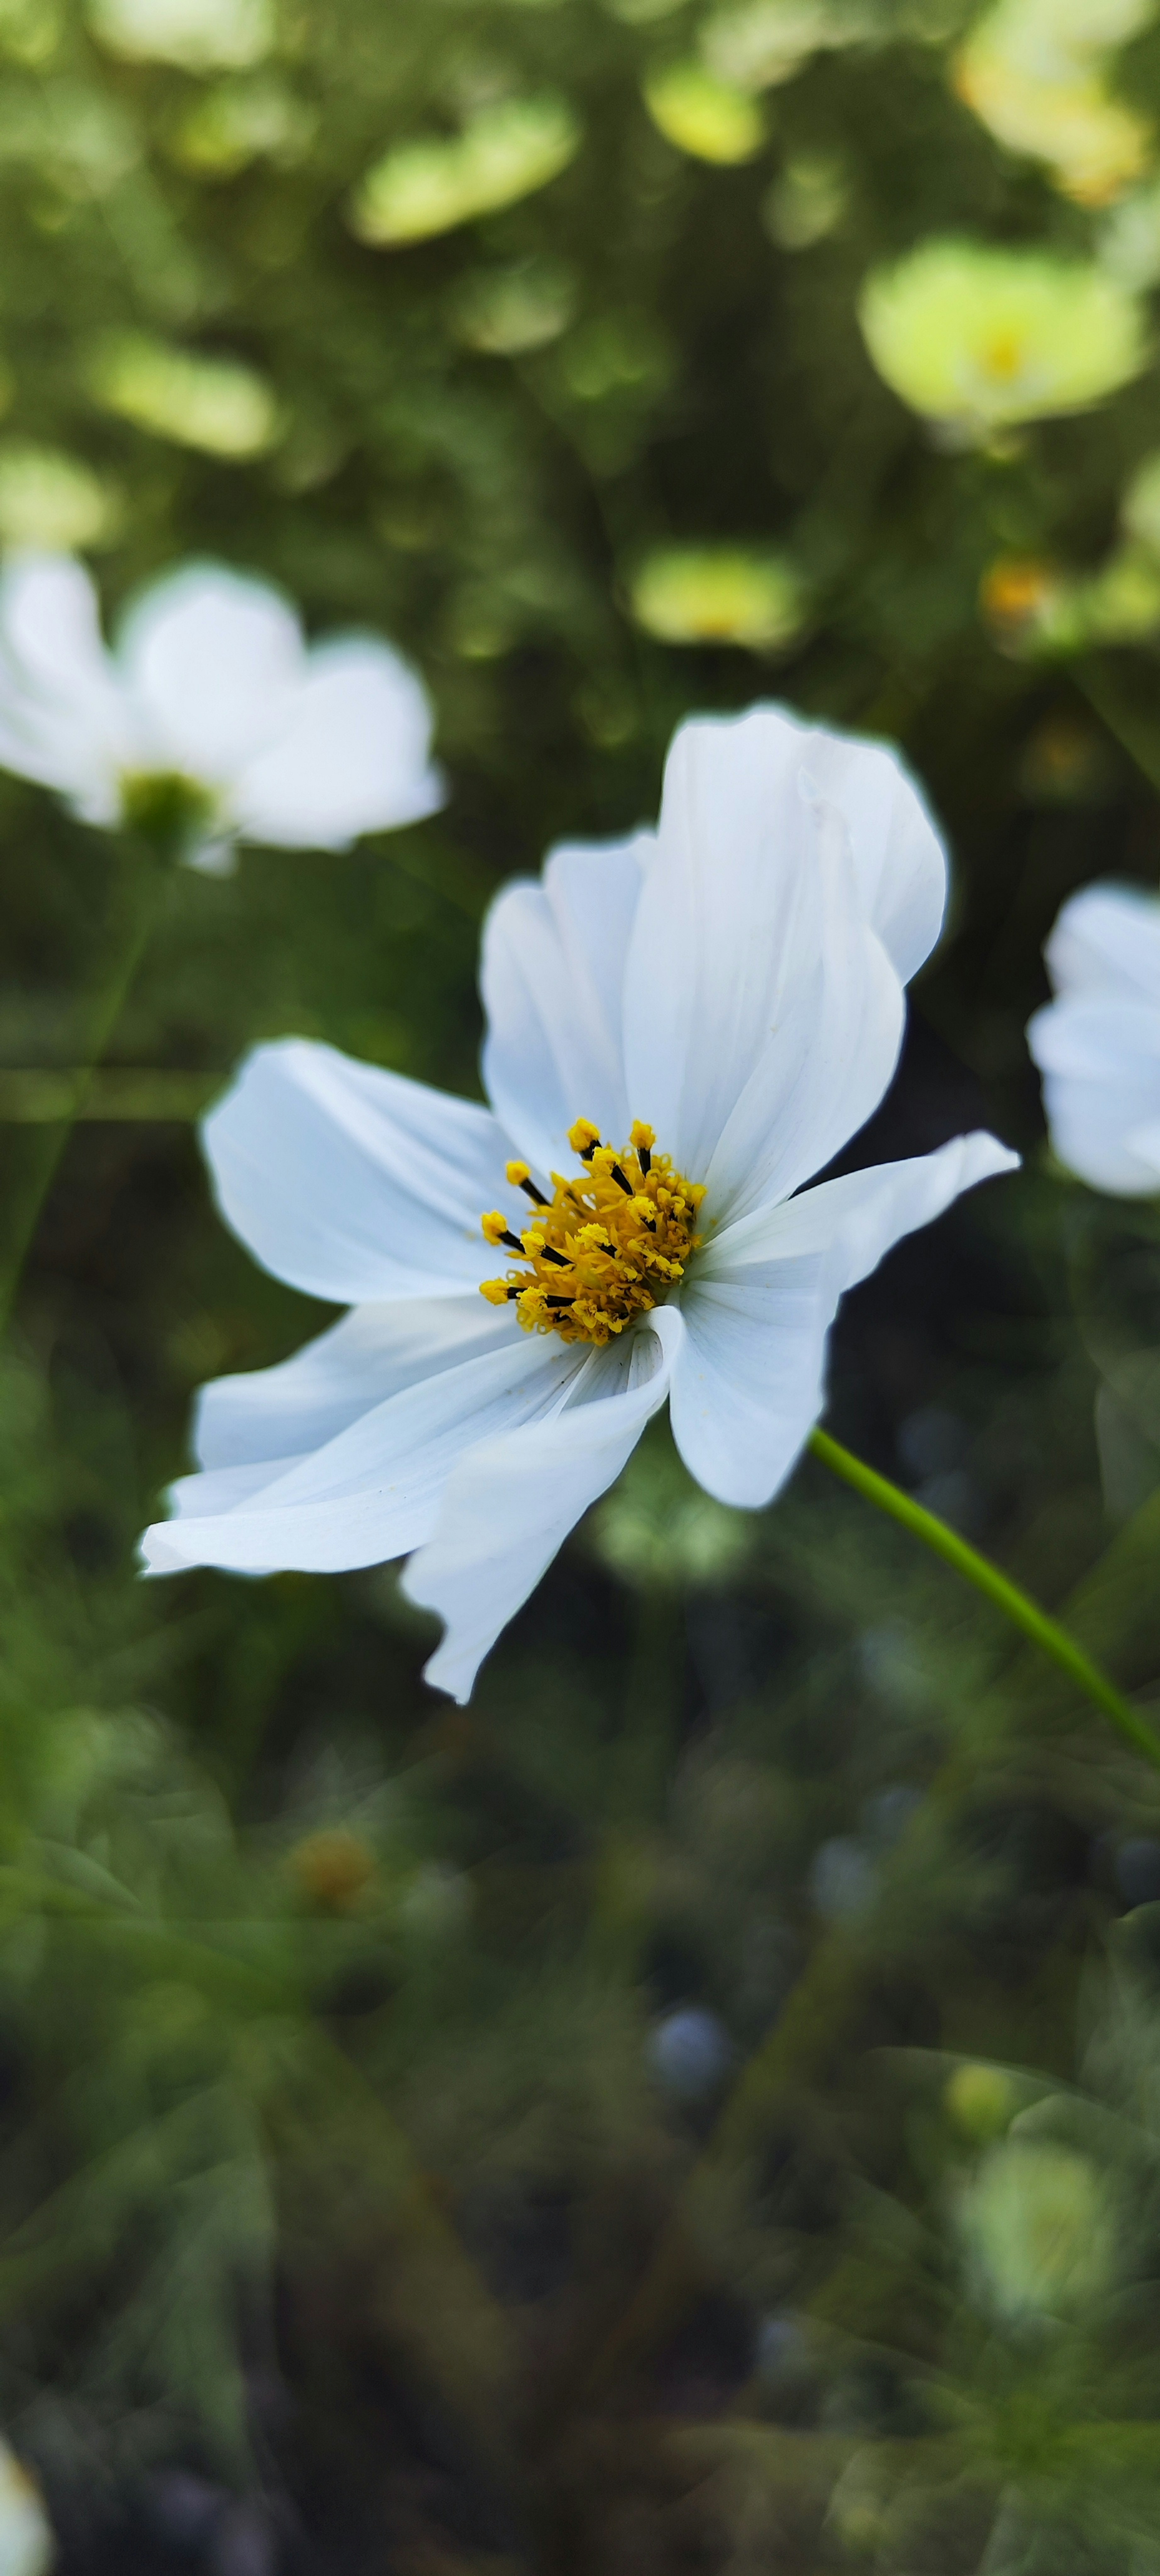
(216, 404)
(980, 338)
(708, 118)
(429, 186)
(718, 595)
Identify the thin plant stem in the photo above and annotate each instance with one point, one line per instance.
(1016, 1605)
(144, 883)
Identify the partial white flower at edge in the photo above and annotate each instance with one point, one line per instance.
(1097, 1044)
(26, 2542)
(735, 979)
(211, 708)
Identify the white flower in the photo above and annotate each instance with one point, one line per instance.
(26, 2543)
(736, 979)
(211, 716)
(1097, 1044)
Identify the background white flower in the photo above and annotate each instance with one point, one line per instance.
(211, 708)
(737, 980)
(26, 2542)
(1097, 1044)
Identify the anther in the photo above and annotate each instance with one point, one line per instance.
(622, 1181)
(547, 1252)
(584, 1139)
(512, 1240)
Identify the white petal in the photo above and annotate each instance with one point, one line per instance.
(353, 1183)
(552, 979)
(289, 1411)
(372, 1491)
(749, 1384)
(898, 857)
(1100, 1061)
(762, 1015)
(352, 753)
(64, 720)
(1107, 941)
(512, 1500)
(212, 659)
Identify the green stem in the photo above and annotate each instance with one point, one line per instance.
(1024, 1613)
(147, 880)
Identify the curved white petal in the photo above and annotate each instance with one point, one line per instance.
(512, 1500)
(1107, 941)
(552, 979)
(353, 1183)
(762, 1014)
(212, 659)
(1099, 1055)
(899, 859)
(351, 754)
(372, 1491)
(288, 1412)
(749, 1383)
(64, 719)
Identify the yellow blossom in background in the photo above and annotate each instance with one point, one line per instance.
(51, 501)
(1036, 608)
(211, 403)
(1035, 74)
(981, 339)
(1017, 593)
(708, 118)
(718, 595)
(199, 35)
(427, 187)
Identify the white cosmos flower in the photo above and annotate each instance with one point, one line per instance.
(735, 979)
(211, 715)
(1097, 1044)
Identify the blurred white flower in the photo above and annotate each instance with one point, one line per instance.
(200, 35)
(1039, 2229)
(738, 976)
(211, 719)
(980, 338)
(1097, 1044)
(26, 2542)
(1035, 73)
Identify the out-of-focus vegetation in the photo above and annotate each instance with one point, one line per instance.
(698, 2107)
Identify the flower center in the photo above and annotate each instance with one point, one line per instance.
(165, 807)
(1003, 356)
(610, 1245)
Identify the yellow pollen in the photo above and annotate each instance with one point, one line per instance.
(610, 1245)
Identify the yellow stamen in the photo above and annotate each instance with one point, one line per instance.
(612, 1244)
(517, 1172)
